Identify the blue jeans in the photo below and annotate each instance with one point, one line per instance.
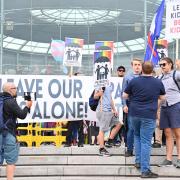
(143, 133)
(130, 135)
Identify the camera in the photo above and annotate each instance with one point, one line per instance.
(28, 96)
(103, 88)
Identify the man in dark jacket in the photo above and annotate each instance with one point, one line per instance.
(9, 148)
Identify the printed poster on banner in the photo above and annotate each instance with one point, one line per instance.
(162, 48)
(172, 19)
(105, 45)
(73, 52)
(102, 68)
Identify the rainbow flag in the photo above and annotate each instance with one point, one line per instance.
(102, 44)
(74, 42)
(57, 49)
(162, 42)
(103, 55)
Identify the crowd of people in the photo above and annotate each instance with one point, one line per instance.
(151, 106)
(150, 103)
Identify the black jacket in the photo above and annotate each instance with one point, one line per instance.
(11, 110)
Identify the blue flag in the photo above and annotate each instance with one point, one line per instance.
(154, 33)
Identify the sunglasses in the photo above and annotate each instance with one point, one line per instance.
(14, 88)
(121, 70)
(162, 64)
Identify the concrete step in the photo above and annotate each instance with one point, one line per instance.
(84, 178)
(86, 150)
(83, 163)
(88, 170)
(82, 160)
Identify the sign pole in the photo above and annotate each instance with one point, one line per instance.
(177, 48)
(2, 32)
(71, 71)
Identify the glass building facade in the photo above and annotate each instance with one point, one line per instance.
(28, 27)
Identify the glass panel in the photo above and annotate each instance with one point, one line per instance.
(5, 44)
(45, 45)
(140, 40)
(27, 48)
(123, 49)
(31, 43)
(8, 39)
(13, 46)
(131, 42)
(18, 41)
(40, 50)
(135, 47)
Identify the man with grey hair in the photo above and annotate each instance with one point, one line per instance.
(9, 148)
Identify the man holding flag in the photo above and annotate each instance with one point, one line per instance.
(154, 33)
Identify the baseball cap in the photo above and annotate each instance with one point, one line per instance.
(121, 68)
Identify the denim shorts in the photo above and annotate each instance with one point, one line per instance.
(9, 149)
(169, 117)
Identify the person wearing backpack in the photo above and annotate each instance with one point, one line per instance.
(170, 110)
(10, 111)
(107, 117)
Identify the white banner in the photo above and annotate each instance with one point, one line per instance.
(59, 97)
(172, 19)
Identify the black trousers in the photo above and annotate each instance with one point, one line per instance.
(79, 126)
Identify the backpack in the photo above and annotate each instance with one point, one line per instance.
(93, 103)
(173, 79)
(3, 125)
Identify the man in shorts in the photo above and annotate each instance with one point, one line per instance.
(9, 147)
(170, 110)
(107, 117)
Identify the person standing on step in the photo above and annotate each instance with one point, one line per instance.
(9, 147)
(107, 117)
(120, 134)
(75, 125)
(158, 134)
(137, 68)
(143, 93)
(170, 110)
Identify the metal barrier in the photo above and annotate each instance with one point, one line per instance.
(35, 137)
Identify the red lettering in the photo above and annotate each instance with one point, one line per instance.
(177, 22)
(175, 30)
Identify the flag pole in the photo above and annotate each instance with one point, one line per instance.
(177, 48)
(153, 49)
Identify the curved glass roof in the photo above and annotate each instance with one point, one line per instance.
(44, 48)
(75, 16)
